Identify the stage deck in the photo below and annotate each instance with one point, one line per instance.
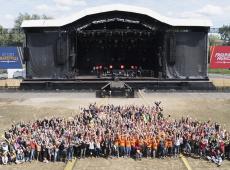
(94, 83)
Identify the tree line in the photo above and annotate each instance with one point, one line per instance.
(223, 38)
(15, 36)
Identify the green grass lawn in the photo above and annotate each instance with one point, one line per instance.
(219, 71)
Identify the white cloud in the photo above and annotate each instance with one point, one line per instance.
(7, 20)
(190, 14)
(210, 10)
(45, 8)
(59, 5)
(9, 16)
(70, 2)
(207, 11)
(169, 13)
(227, 9)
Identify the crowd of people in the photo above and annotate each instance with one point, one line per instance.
(114, 131)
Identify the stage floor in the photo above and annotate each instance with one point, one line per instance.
(90, 83)
(103, 78)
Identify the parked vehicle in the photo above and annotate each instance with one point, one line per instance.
(3, 76)
(19, 74)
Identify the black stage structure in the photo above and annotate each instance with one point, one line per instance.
(136, 45)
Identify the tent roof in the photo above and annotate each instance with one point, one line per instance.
(117, 7)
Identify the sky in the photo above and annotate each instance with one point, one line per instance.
(215, 10)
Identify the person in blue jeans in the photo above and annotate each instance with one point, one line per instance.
(177, 146)
(128, 146)
(70, 152)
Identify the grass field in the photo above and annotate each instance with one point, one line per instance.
(219, 71)
(30, 106)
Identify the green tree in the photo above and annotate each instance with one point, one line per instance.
(20, 18)
(215, 40)
(225, 34)
(17, 32)
(15, 36)
(3, 36)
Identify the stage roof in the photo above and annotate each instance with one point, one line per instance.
(117, 7)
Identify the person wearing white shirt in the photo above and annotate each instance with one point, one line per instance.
(91, 148)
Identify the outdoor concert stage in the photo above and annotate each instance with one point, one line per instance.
(136, 45)
(93, 83)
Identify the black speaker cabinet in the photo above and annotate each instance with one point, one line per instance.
(26, 54)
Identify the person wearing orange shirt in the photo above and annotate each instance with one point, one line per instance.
(154, 147)
(122, 146)
(128, 146)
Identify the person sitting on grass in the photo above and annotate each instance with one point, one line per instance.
(4, 158)
(215, 156)
(20, 156)
(139, 154)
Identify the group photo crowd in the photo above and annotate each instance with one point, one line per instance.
(110, 131)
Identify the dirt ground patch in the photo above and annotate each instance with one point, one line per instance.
(35, 166)
(129, 164)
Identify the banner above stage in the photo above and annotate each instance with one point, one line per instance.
(10, 58)
(220, 57)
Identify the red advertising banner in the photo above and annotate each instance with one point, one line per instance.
(220, 57)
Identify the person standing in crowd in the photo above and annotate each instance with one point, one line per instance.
(98, 148)
(122, 146)
(91, 147)
(62, 151)
(128, 147)
(33, 148)
(38, 147)
(27, 154)
(154, 147)
(69, 151)
(83, 147)
(116, 147)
